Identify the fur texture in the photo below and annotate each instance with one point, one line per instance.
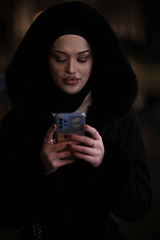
(114, 87)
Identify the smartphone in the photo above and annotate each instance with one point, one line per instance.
(69, 123)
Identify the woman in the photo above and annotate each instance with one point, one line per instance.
(71, 61)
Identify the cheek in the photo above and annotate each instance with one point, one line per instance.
(87, 70)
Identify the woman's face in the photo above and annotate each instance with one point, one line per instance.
(70, 61)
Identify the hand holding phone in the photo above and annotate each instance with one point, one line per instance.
(70, 130)
(69, 123)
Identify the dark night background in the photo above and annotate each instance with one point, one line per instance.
(137, 25)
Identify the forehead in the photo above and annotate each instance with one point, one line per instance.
(71, 42)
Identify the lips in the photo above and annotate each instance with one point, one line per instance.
(71, 80)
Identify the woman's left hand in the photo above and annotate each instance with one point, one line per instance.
(92, 149)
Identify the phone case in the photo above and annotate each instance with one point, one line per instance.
(69, 123)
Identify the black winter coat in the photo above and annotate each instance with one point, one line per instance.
(75, 200)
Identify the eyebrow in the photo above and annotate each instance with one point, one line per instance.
(84, 51)
(57, 51)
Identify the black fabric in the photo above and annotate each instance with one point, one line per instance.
(113, 77)
(74, 201)
(76, 197)
(52, 94)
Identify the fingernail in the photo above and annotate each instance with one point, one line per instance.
(85, 126)
(68, 145)
(69, 136)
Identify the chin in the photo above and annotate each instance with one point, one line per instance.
(71, 90)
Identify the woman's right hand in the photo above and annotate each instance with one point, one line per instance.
(51, 154)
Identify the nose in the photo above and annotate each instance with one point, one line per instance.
(71, 66)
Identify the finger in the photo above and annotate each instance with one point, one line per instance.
(63, 154)
(95, 161)
(60, 161)
(87, 158)
(50, 132)
(63, 145)
(93, 132)
(56, 164)
(82, 139)
(83, 149)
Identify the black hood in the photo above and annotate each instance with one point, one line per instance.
(114, 85)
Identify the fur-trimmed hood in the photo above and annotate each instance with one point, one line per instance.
(114, 87)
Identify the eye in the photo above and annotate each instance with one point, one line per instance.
(60, 60)
(82, 60)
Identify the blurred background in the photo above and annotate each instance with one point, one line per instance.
(137, 25)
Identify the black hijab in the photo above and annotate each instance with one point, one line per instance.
(31, 89)
(57, 100)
